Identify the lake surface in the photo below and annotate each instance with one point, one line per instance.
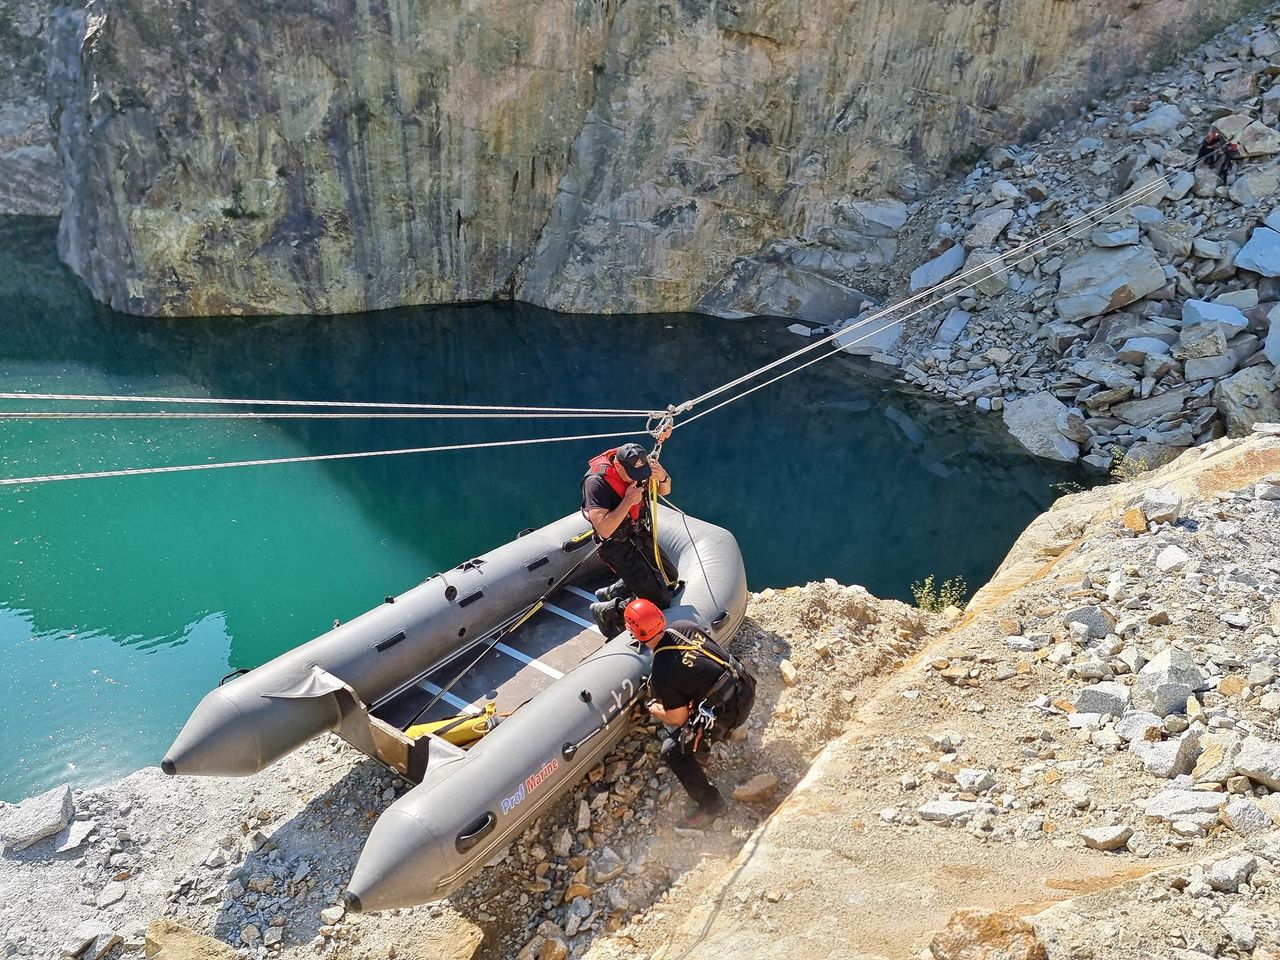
(122, 601)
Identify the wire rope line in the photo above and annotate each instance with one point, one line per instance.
(693, 541)
(262, 415)
(1038, 245)
(1079, 225)
(100, 398)
(313, 458)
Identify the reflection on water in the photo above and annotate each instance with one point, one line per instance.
(122, 601)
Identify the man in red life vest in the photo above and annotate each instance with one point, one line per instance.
(614, 499)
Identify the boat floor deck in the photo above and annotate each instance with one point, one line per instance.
(519, 667)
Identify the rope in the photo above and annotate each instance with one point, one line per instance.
(1086, 219)
(258, 415)
(1044, 241)
(696, 552)
(97, 398)
(1079, 225)
(652, 492)
(316, 458)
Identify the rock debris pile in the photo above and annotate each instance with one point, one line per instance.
(1157, 648)
(1155, 330)
(1106, 711)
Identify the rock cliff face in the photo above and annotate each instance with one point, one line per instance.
(29, 180)
(230, 158)
(586, 155)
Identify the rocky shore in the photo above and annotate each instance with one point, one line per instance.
(1094, 737)
(1153, 331)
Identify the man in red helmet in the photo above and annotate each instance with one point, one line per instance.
(614, 500)
(701, 690)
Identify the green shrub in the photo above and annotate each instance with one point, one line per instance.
(1126, 468)
(937, 597)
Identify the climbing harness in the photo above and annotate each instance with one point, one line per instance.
(725, 691)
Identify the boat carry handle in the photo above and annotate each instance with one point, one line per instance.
(573, 543)
(389, 642)
(240, 672)
(476, 831)
(720, 618)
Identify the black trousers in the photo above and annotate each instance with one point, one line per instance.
(683, 761)
(632, 560)
(683, 757)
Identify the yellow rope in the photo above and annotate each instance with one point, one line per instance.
(653, 527)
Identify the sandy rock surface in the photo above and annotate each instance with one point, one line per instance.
(973, 779)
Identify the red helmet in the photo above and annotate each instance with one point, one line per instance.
(644, 620)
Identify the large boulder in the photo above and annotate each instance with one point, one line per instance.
(866, 338)
(1248, 397)
(1166, 682)
(1255, 187)
(1152, 408)
(1105, 280)
(169, 940)
(1224, 317)
(985, 270)
(979, 935)
(933, 272)
(985, 231)
(877, 218)
(1253, 138)
(953, 325)
(1271, 346)
(1261, 254)
(1033, 422)
(1159, 122)
(772, 283)
(1259, 760)
(35, 818)
(1201, 340)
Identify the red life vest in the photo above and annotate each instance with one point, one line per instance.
(604, 466)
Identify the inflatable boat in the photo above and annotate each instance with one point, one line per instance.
(501, 649)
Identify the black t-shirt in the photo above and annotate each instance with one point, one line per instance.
(596, 492)
(682, 677)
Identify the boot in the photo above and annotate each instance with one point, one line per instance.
(703, 815)
(615, 591)
(608, 617)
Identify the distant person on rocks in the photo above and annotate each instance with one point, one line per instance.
(1229, 157)
(1209, 147)
(700, 691)
(1218, 152)
(615, 501)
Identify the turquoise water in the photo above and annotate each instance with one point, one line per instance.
(123, 600)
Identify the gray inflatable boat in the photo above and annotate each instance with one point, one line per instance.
(440, 650)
